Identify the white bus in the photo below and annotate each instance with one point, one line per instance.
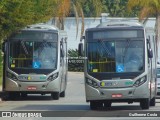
(35, 62)
(120, 64)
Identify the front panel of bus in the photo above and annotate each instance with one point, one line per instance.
(32, 61)
(116, 64)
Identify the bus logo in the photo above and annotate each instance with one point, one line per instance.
(29, 78)
(102, 84)
(108, 84)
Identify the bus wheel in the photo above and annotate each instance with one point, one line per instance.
(55, 95)
(94, 105)
(145, 103)
(107, 104)
(153, 101)
(13, 95)
(23, 95)
(62, 94)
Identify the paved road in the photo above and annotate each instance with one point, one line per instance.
(74, 104)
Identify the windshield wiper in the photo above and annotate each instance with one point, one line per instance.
(24, 47)
(105, 48)
(126, 49)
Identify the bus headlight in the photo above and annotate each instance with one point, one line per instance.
(140, 81)
(11, 76)
(91, 83)
(53, 77)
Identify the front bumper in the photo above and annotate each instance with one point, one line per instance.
(45, 86)
(127, 93)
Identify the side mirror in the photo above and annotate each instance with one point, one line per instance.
(150, 53)
(82, 38)
(80, 49)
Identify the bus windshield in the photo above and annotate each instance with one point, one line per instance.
(33, 54)
(115, 56)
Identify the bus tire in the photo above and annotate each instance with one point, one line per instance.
(145, 103)
(13, 95)
(107, 104)
(62, 94)
(55, 95)
(153, 101)
(23, 95)
(94, 105)
(4, 97)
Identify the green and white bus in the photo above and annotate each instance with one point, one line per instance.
(120, 64)
(35, 62)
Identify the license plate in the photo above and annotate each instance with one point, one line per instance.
(116, 95)
(31, 88)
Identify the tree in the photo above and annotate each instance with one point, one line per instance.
(118, 8)
(149, 8)
(16, 14)
(72, 53)
(89, 8)
(63, 9)
(115, 8)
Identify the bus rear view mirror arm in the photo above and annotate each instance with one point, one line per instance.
(82, 38)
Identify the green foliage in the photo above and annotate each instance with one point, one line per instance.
(15, 14)
(72, 53)
(92, 8)
(118, 8)
(115, 8)
(74, 64)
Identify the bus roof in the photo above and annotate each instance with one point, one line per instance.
(119, 24)
(41, 26)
